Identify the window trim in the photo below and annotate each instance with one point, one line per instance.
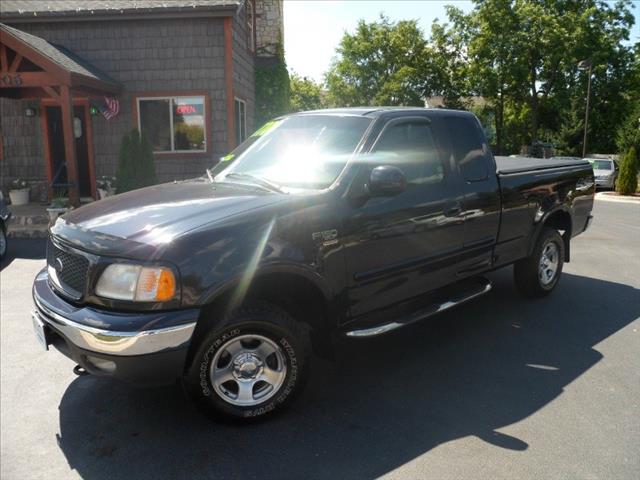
(392, 122)
(487, 154)
(164, 95)
(243, 102)
(250, 25)
(395, 121)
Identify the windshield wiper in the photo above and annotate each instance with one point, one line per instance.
(261, 182)
(209, 175)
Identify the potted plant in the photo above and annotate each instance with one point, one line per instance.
(58, 206)
(19, 192)
(105, 186)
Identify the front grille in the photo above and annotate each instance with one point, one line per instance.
(71, 269)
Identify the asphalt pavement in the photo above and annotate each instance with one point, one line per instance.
(501, 387)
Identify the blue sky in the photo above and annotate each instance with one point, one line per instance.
(313, 28)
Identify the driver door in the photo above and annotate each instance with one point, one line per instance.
(402, 246)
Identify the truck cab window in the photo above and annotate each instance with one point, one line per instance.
(410, 146)
(467, 146)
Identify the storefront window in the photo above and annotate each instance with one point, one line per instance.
(173, 124)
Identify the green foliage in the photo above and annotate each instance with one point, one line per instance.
(305, 94)
(272, 88)
(627, 182)
(628, 135)
(188, 136)
(136, 168)
(521, 56)
(382, 63)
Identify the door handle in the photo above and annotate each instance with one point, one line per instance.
(453, 210)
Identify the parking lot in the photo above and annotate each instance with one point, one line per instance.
(501, 387)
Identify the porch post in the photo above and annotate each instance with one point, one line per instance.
(66, 102)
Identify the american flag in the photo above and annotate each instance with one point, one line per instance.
(110, 108)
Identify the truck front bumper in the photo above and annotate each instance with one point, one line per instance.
(144, 348)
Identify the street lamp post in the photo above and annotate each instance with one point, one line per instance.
(586, 65)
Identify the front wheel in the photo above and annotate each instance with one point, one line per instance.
(3, 241)
(251, 366)
(538, 274)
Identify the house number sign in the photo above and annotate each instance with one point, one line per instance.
(10, 80)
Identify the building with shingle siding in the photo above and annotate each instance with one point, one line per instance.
(180, 70)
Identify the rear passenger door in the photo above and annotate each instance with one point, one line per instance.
(481, 202)
(402, 246)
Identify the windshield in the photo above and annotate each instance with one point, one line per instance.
(306, 151)
(601, 164)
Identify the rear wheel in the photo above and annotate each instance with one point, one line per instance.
(538, 274)
(252, 365)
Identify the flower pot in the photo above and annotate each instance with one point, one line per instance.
(19, 197)
(55, 212)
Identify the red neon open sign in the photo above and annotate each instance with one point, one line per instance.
(185, 109)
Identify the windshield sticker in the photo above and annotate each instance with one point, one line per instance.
(267, 127)
(227, 158)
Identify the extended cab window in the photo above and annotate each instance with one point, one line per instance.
(410, 146)
(467, 144)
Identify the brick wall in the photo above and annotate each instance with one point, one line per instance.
(172, 55)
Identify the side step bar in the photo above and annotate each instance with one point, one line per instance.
(421, 314)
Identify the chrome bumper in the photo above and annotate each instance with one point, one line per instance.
(138, 341)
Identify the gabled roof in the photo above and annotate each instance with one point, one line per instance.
(59, 55)
(34, 10)
(53, 57)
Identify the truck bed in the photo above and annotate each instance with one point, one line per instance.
(508, 165)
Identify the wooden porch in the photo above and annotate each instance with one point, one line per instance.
(32, 68)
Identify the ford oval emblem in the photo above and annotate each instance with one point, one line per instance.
(59, 265)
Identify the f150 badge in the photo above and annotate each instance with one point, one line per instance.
(328, 237)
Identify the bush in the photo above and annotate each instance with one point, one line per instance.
(628, 179)
(136, 168)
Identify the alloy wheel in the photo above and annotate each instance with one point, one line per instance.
(248, 370)
(549, 261)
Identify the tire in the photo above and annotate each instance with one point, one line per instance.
(3, 241)
(251, 365)
(536, 277)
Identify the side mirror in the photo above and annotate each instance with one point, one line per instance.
(386, 181)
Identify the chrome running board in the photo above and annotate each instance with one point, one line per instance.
(422, 314)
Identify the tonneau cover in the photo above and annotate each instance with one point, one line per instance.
(506, 165)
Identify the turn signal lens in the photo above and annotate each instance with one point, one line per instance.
(155, 284)
(136, 283)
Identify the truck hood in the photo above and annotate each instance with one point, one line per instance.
(156, 215)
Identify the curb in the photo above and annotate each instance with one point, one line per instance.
(612, 198)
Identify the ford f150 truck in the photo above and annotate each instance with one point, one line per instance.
(323, 224)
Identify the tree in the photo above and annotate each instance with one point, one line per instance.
(272, 86)
(382, 63)
(136, 168)
(628, 135)
(627, 182)
(446, 60)
(305, 94)
(494, 70)
(521, 56)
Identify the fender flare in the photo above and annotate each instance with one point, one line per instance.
(566, 237)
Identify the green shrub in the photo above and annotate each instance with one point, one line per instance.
(628, 179)
(136, 168)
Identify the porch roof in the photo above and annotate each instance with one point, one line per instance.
(55, 65)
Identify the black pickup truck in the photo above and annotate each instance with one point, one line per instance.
(322, 225)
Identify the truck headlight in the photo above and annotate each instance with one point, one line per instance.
(125, 281)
